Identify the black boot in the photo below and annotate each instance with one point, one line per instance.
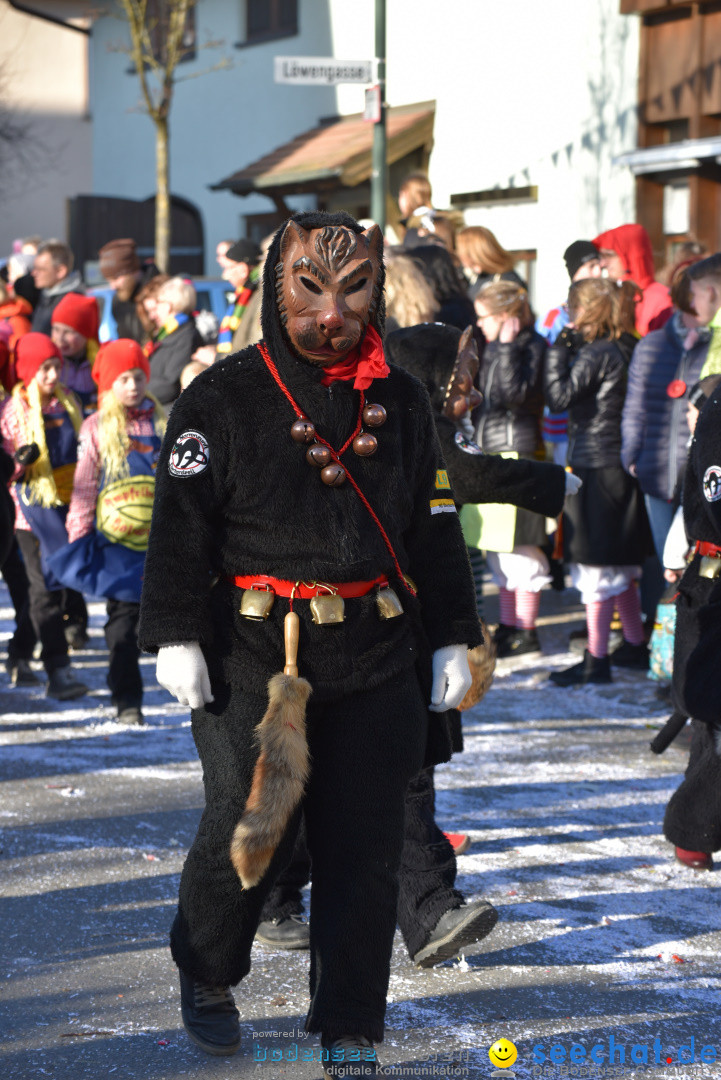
(631, 656)
(349, 1056)
(592, 669)
(522, 642)
(502, 636)
(210, 1016)
(455, 930)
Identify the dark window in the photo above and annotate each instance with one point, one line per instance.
(258, 226)
(158, 21)
(267, 19)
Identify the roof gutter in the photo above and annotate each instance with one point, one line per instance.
(27, 10)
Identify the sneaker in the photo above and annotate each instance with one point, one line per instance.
(64, 685)
(209, 1016)
(457, 928)
(20, 672)
(130, 715)
(631, 656)
(458, 841)
(592, 669)
(697, 860)
(349, 1056)
(291, 932)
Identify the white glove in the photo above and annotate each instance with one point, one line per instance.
(183, 672)
(451, 677)
(573, 484)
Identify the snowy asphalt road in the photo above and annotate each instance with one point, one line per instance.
(601, 935)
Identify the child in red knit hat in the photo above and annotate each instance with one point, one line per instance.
(75, 323)
(109, 519)
(39, 426)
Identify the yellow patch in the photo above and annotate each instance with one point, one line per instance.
(124, 511)
(443, 506)
(442, 481)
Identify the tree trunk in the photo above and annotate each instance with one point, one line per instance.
(162, 196)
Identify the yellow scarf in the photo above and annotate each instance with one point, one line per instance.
(39, 479)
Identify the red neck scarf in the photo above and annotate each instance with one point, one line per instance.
(363, 364)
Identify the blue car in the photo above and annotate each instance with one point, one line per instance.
(213, 294)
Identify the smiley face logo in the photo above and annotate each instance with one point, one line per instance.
(503, 1053)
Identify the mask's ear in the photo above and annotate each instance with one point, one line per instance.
(292, 232)
(467, 351)
(374, 239)
(463, 343)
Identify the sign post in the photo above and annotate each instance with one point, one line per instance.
(379, 174)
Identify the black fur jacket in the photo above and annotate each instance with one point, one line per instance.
(251, 504)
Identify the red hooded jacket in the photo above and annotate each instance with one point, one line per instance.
(14, 323)
(632, 244)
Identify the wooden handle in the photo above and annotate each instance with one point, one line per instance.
(291, 628)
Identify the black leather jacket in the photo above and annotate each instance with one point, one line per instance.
(591, 384)
(510, 379)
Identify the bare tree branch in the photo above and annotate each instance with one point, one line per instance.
(157, 48)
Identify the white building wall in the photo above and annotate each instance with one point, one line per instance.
(527, 93)
(43, 80)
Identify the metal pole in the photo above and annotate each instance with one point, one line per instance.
(379, 175)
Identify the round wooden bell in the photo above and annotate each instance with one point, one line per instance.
(374, 415)
(365, 444)
(318, 455)
(333, 475)
(303, 431)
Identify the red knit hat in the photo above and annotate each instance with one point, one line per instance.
(80, 313)
(31, 352)
(114, 358)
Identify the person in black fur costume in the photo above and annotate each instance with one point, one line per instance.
(446, 360)
(433, 917)
(693, 816)
(249, 503)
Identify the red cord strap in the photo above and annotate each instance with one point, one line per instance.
(335, 454)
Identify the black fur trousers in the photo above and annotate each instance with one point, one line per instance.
(693, 815)
(427, 872)
(428, 867)
(364, 750)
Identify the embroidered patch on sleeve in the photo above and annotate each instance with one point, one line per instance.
(466, 445)
(190, 454)
(712, 483)
(442, 481)
(443, 506)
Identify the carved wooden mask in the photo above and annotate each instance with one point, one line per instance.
(327, 287)
(461, 394)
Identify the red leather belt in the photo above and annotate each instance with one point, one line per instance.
(306, 590)
(712, 551)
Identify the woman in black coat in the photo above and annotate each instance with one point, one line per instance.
(446, 281)
(606, 535)
(509, 421)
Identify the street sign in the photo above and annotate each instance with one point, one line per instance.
(322, 70)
